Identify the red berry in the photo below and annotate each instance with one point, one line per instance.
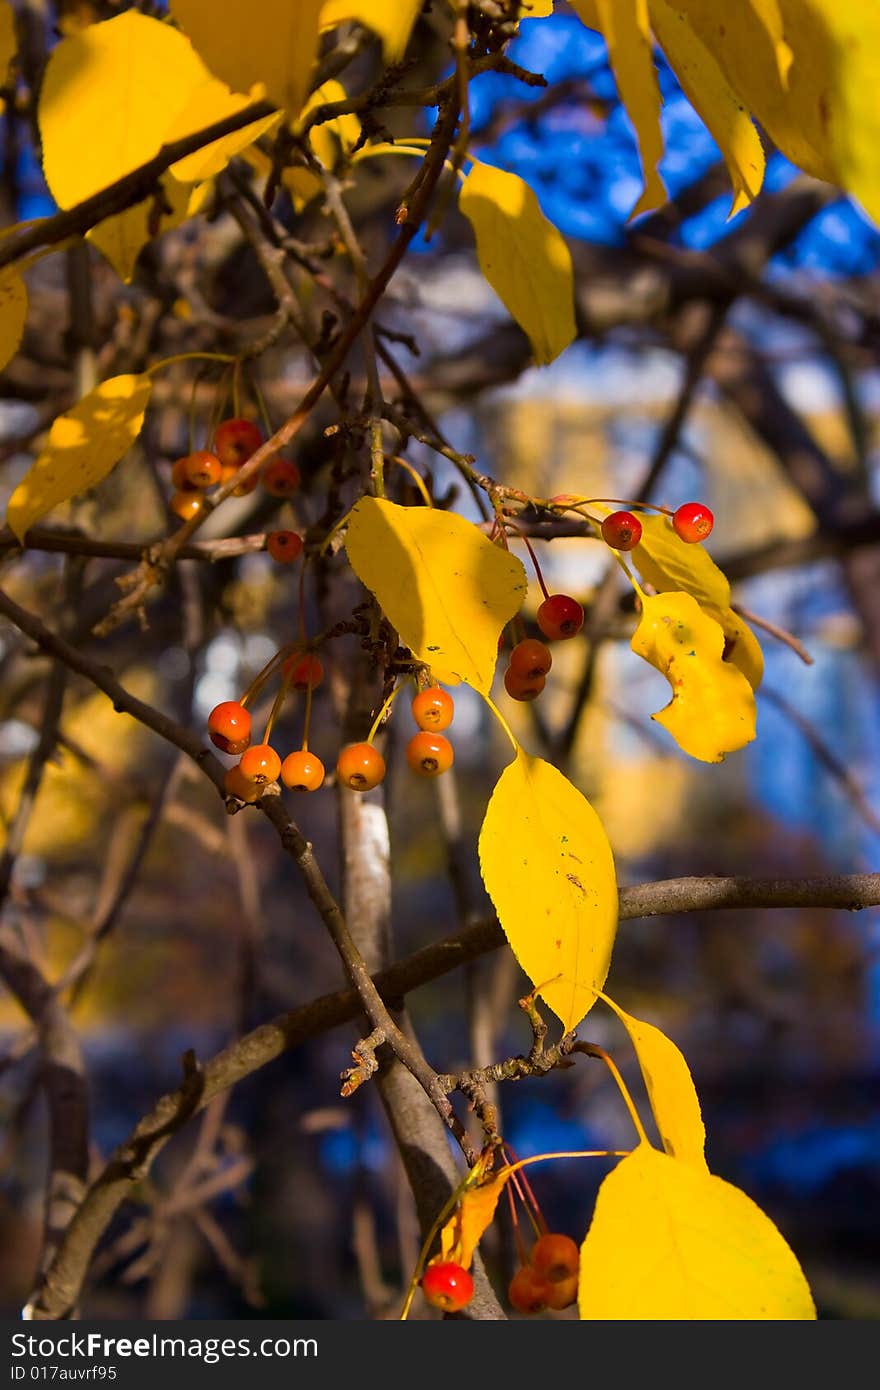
(231, 470)
(429, 754)
(555, 1257)
(560, 616)
(448, 1286)
(523, 687)
(186, 505)
(360, 766)
(693, 521)
(622, 531)
(284, 546)
(563, 1293)
(260, 764)
(304, 671)
(280, 477)
(200, 469)
(433, 709)
(236, 784)
(302, 771)
(527, 1292)
(235, 441)
(229, 727)
(530, 658)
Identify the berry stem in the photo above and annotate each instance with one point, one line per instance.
(236, 388)
(301, 599)
(307, 718)
(528, 545)
(261, 402)
(521, 1250)
(268, 671)
(502, 721)
(188, 357)
(380, 717)
(417, 479)
(276, 707)
(538, 1220)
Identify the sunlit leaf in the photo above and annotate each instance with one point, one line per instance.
(716, 98)
(670, 1088)
(741, 646)
(340, 133)
(769, 15)
(712, 710)
(626, 28)
(671, 1243)
(548, 868)
(13, 313)
(392, 20)
(523, 256)
(121, 238)
(82, 447)
(668, 562)
(462, 1233)
(266, 49)
(440, 582)
(211, 102)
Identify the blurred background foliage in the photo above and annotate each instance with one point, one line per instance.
(777, 1012)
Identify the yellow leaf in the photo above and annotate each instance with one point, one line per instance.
(8, 42)
(270, 46)
(625, 26)
(523, 256)
(716, 98)
(535, 9)
(440, 582)
(826, 117)
(461, 1234)
(211, 102)
(712, 710)
(121, 238)
(666, 561)
(670, 1088)
(548, 868)
(13, 313)
(327, 138)
(670, 1243)
(392, 20)
(770, 16)
(741, 646)
(83, 446)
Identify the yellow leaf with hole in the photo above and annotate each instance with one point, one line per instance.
(669, 1243)
(8, 42)
(392, 20)
(713, 93)
(440, 582)
(548, 868)
(523, 256)
(213, 101)
(741, 646)
(266, 49)
(712, 710)
(626, 28)
(462, 1233)
(823, 112)
(670, 1086)
(13, 313)
(666, 561)
(83, 446)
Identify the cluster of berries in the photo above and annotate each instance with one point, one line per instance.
(194, 476)
(359, 766)
(692, 522)
(549, 1279)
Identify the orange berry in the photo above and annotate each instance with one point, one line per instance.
(260, 764)
(447, 1285)
(302, 771)
(201, 469)
(284, 546)
(186, 505)
(229, 727)
(523, 687)
(179, 477)
(236, 784)
(555, 1257)
(235, 441)
(360, 766)
(433, 709)
(304, 671)
(527, 1291)
(429, 754)
(563, 1293)
(530, 658)
(280, 477)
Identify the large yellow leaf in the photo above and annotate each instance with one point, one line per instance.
(13, 313)
(712, 710)
(270, 46)
(523, 256)
(110, 93)
(670, 1088)
(670, 1243)
(715, 98)
(213, 101)
(548, 868)
(624, 23)
(823, 112)
(668, 562)
(392, 20)
(440, 582)
(82, 447)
